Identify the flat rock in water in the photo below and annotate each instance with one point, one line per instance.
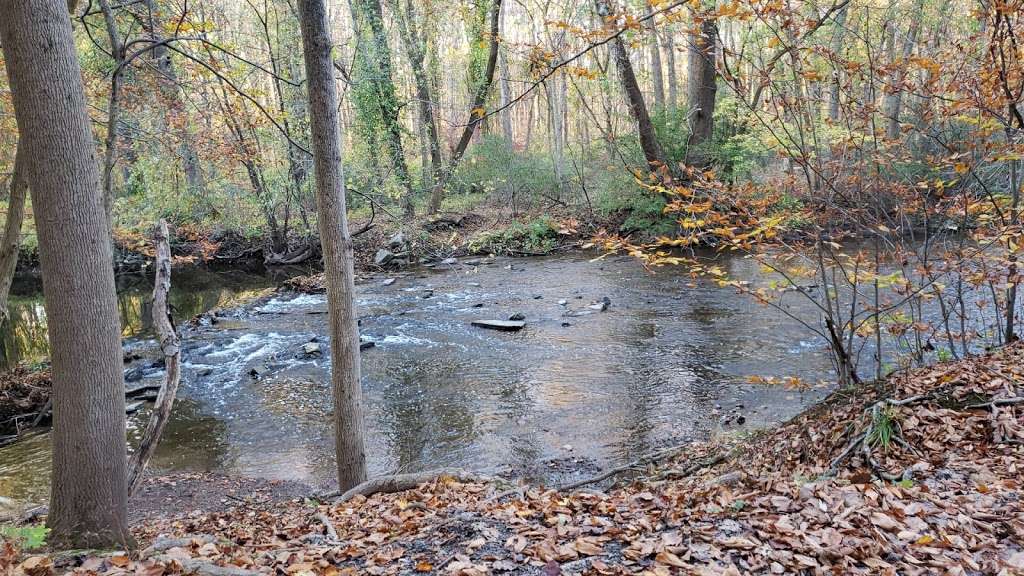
(505, 325)
(366, 344)
(141, 388)
(133, 407)
(388, 281)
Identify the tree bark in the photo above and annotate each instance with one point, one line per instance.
(88, 501)
(656, 75)
(476, 112)
(10, 246)
(336, 243)
(673, 80)
(171, 349)
(837, 71)
(113, 110)
(637, 107)
(894, 98)
(700, 90)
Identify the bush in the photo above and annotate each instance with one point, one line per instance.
(536, 236)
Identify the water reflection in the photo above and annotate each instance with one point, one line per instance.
(194, 290)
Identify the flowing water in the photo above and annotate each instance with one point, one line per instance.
(573, 392)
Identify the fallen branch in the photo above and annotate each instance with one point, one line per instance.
(171, 348)
(403, 482)
(642, 461)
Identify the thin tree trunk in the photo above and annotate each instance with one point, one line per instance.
(10, 246)
(894, 100)
(656, 74)
(374, 76)
(88, 495)
(113, 110)
(170, 346)
(701, 88)
(476, 112)
(837, 71)
(414, 51)
(673, 79)
(336, 242)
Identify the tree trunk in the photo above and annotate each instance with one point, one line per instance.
(476, 112)
(336, 243)
(10, 246)
(700, 90)
(171, 349)
(673, 80)
(637, 107)
(837, 72)
(894, 99)
(89, 496)
(169, 86)
(373, 77)
(113, 109)
(656, 74)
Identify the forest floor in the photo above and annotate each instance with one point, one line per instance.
(919, 474)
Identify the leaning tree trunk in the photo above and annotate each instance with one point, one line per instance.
(701, 89)
(10, 245)
(89, 496)
(171, 349)
(336, 242)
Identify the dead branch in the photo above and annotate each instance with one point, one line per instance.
(171, 348)
(642, 461)
(402, 482)
(329, 526)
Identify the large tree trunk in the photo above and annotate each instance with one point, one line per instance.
(336, 242)
(88, 501)
(700, 89)
(10, 245)
(637, 107)
(476, 112)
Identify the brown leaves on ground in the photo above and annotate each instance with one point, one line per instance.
(23, 393)
(769, 509)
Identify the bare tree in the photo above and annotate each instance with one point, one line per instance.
(89, 496)
(337, 244)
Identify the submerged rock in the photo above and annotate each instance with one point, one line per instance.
(517, 316)
(503, 325)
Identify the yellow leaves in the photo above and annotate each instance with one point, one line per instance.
(478, 112)
(773, 42)
(811, 75)
(424, 566)
(925, 540)
(961, 168)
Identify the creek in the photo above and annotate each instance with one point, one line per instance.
(575, 391)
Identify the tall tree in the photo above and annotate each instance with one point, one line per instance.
(657, 78)
(337, 244)
(88, 501)
(701, 86)
(637, 107)
(476, 112)
(374, 89)
(415, 50)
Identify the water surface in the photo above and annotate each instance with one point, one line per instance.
(573, 392)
